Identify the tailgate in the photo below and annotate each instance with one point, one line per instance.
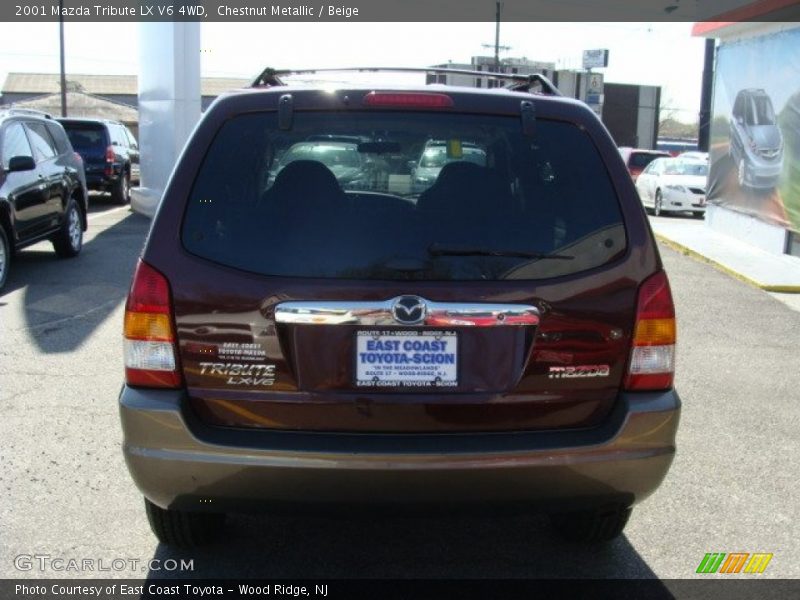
(351, 366)
(498, 296)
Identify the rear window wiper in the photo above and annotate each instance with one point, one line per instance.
(448, 250)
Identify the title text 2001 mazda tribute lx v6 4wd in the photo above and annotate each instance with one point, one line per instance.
(504, 336)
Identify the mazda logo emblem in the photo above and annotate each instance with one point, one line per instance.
(409, 310)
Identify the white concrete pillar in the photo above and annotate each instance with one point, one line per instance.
(169, 103)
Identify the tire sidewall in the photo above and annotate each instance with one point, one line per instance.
(5, 248)
(62, 242)
(121, 190)
(72, 208)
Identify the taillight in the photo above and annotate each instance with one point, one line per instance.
(408, 99)
(110, 156)
(150, 358)
(652, 364)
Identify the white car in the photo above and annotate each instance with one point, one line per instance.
(674, 185)
(435, 156)
(693, 155)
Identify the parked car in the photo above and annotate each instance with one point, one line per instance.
(110, 154)
(435, 155)
(42, 187)
(636, 159)
(676, 146)
(756, 142)
(505, 338)
(694, 155)
(674, 185)
(353, 170)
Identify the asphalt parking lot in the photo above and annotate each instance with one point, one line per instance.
(66, 492)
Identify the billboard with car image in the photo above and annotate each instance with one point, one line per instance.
(755, 132)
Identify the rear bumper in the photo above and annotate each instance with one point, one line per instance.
(178, 462)
(98, 179)
(100, 182)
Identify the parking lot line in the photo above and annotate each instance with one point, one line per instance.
(108, 212)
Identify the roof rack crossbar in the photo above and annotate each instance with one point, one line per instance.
(532, 80)
(519, 82)
(267, 77)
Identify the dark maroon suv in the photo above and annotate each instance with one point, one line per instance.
(503, 336)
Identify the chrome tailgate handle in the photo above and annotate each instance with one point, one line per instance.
(407, 311)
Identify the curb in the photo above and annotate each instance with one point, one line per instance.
(783, 289)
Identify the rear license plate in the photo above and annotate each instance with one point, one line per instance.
(412, 359)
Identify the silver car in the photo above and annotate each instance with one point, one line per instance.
(756, 142)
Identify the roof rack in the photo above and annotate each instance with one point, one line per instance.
(27, 111)
(518, 82)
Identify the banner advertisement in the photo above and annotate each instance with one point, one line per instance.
(755, 132)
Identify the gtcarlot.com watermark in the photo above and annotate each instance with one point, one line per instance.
(47, 562)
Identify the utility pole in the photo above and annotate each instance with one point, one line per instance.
(61, 43)
(496, 45)
(497, 39)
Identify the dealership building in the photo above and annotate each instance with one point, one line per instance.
(629, 111)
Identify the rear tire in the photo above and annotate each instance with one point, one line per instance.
(121, 192)
(183, 529)
(592, 526)
(5, 256)
(69, 239)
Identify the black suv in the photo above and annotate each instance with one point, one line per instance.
(42, 186)
(110, 154)
(503, 336)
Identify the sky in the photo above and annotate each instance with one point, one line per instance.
(740, 66)
(662, 54)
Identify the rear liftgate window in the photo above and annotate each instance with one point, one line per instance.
(86, 136)
(355, 196)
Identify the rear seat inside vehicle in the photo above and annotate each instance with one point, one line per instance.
(467, 203)
(306, 210)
